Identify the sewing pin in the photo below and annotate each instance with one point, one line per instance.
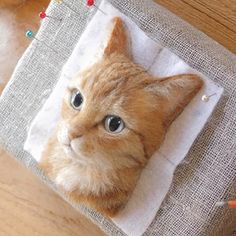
(30, 35)
(43, 15)
(206, 98)
(230, 204)
(91, 3)
(68, 6)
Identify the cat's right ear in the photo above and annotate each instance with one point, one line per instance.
(117, 41)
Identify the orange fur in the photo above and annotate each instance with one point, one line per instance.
(101, 169)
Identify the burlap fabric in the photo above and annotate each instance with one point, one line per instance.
(209, 171)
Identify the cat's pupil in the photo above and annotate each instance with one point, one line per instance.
(115, 122)
(77, 100)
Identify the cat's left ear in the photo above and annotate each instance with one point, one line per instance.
(117, 41)
(174, 93)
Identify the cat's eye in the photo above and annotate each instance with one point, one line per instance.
(76, 100)
(114, 124)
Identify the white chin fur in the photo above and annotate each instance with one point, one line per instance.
(75, 177)
(69, 151)
(75, 145)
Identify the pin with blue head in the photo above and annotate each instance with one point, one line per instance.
(30, 35)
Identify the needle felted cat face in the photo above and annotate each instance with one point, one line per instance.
(114, 116)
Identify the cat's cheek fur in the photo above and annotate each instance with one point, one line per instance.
(62, 134)
(82, 147)
(123, 151)
(126, 152)
(68, 110)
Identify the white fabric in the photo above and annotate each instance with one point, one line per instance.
(157, 176)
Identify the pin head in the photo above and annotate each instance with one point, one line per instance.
(42, 14)
(205, 98)
(58, 1)
(90, 3)
(29, 34)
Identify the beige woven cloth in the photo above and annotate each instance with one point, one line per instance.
(207, 175)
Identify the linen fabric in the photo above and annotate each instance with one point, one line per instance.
(207, 174)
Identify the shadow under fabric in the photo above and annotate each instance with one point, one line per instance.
(210, 174)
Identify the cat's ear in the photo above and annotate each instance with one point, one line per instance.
(174, 93)
(117, 41)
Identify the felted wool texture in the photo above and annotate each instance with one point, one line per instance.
(207, 175)
(157, 176)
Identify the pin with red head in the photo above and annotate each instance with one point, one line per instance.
(43, 15)
(91, 3)
(229, 204)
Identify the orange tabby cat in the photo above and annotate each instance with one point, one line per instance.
(114, 117)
